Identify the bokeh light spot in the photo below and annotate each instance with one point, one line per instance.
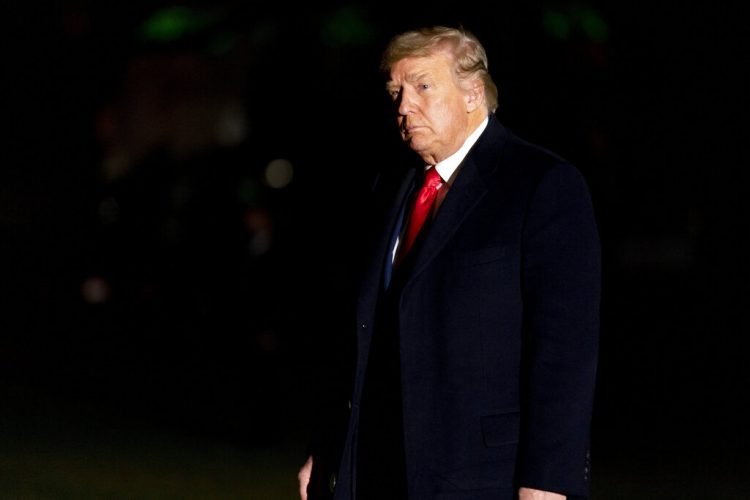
(556, 24)
(173, 23)
(108, 210)
(347, 26)
(593, 25)
(248, 190)
(279, 173)
(259, 227)
(95, 290)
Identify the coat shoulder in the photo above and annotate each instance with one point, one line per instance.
(535, 160)
(504, 151)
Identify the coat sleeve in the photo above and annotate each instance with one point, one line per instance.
(561, 295)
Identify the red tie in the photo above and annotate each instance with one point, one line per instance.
(420, 210)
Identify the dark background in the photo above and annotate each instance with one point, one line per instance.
(154, 277)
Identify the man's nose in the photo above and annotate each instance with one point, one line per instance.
(405, 103)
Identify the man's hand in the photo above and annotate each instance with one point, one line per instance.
(532, 494)
(304, 478)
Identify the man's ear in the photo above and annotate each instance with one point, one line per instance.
(474, 96)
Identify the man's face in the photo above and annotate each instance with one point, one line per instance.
(433, 116)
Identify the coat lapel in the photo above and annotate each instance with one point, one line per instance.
(372, 282)
(467, 191)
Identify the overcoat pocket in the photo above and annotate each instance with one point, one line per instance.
(481, 256)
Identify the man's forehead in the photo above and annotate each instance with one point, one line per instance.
(415, 68)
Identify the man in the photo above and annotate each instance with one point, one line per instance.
(477, 344)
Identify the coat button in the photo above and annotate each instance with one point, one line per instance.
(332, 483)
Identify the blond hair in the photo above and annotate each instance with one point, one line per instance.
(469, 56)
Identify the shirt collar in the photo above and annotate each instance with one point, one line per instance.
(447, 167)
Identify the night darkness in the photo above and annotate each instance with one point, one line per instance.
(179, 193)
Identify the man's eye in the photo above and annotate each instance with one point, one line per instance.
(424, 86)
(393, 94)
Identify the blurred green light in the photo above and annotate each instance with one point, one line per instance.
(347, 26)
(173, 23)
(556, 24)
(248, 191)
(593, 25)
(222, 43)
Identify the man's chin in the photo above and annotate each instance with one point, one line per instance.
(414, 144)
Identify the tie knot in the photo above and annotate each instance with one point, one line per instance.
(420, 210)
(432, 178)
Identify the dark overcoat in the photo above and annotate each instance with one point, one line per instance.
(498, 324)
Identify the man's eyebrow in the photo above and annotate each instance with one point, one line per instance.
(411, 77)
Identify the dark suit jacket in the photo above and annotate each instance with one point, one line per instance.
(498, 323)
